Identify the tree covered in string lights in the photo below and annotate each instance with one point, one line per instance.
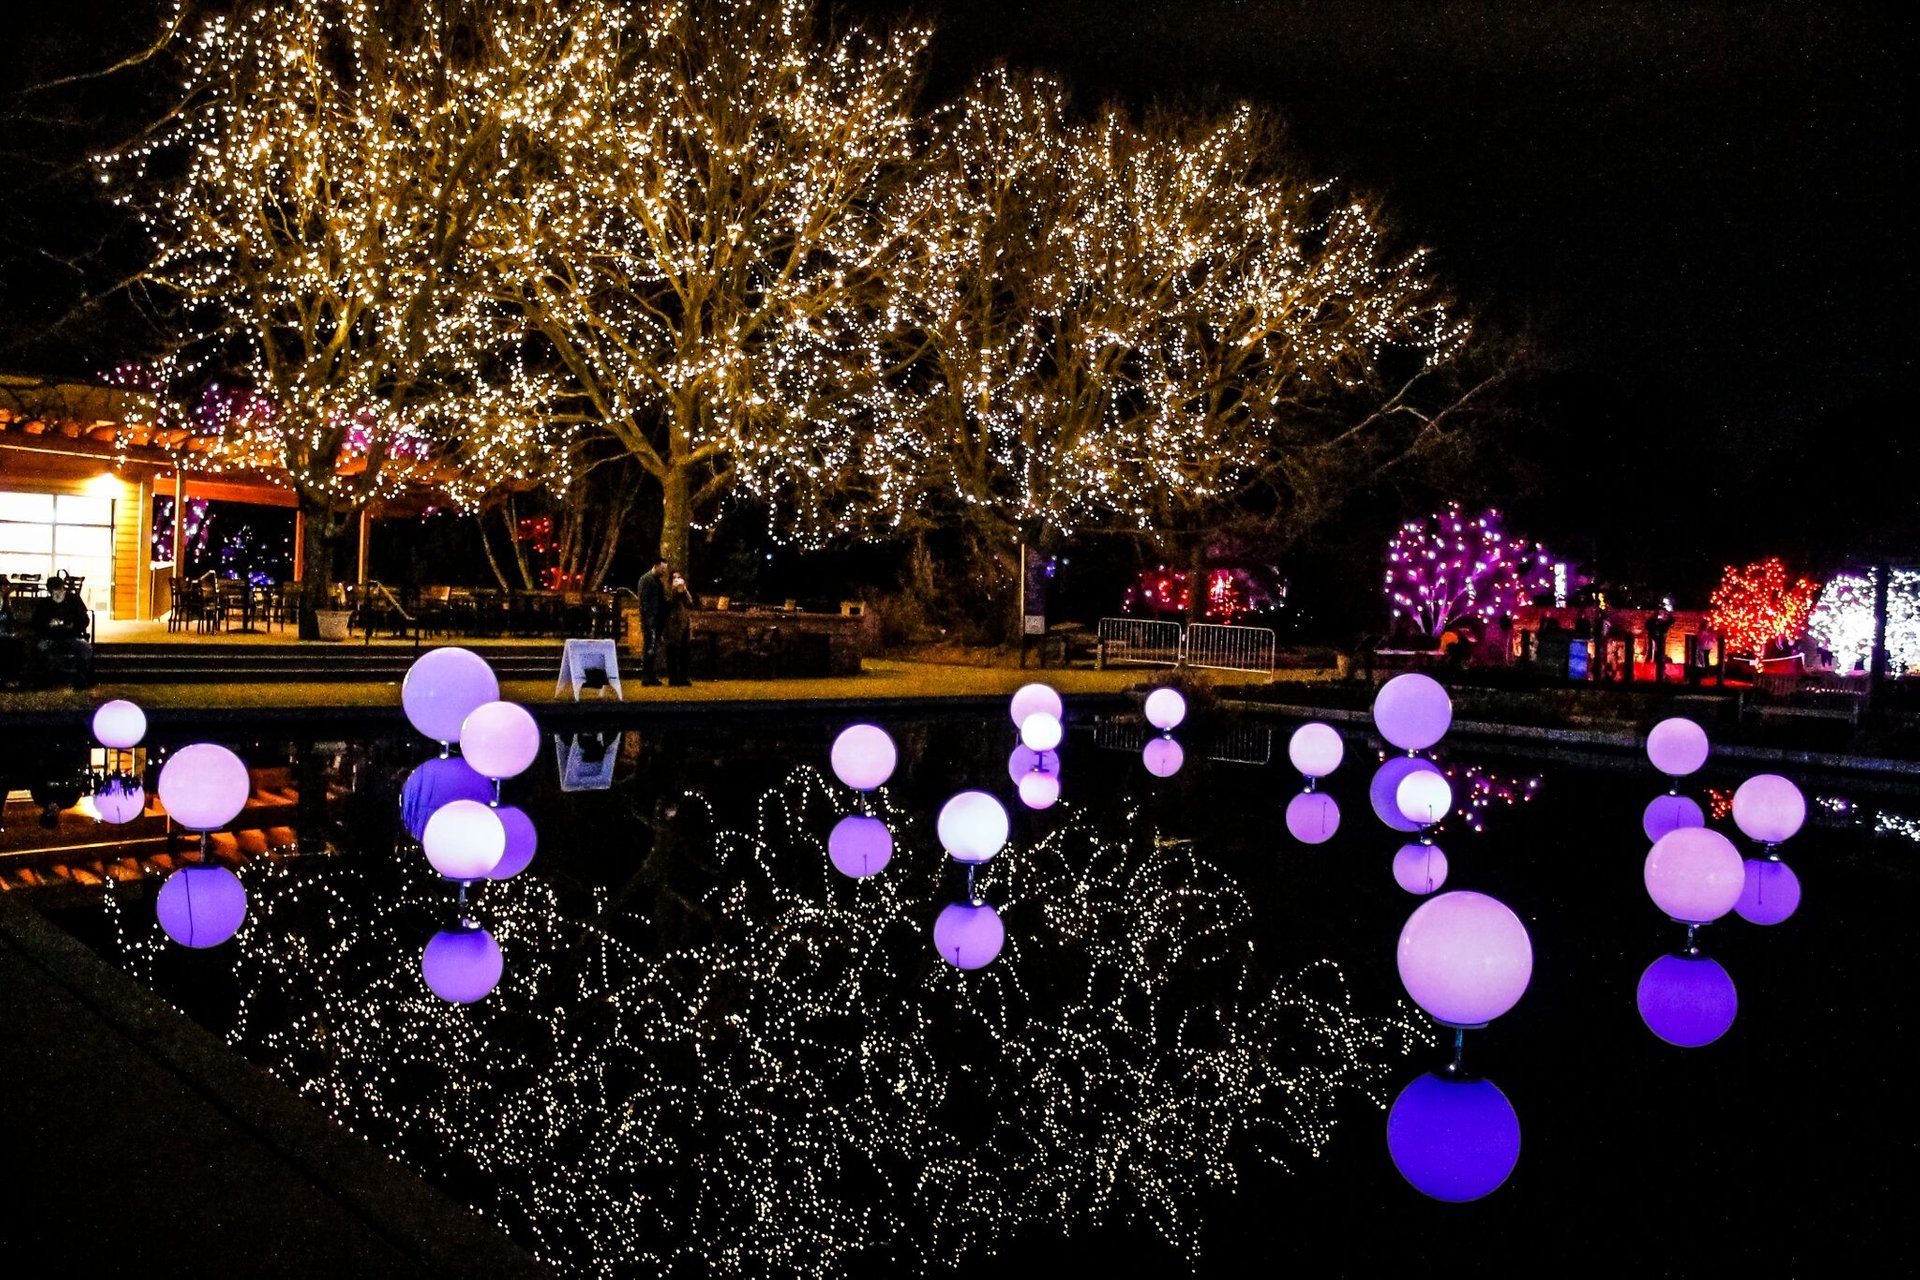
(1760, 604)
(1842, 619)
(1451, 567)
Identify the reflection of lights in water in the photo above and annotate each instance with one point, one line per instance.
(802, 1085)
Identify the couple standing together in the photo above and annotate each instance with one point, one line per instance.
(665, 630)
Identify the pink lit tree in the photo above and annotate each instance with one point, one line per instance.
(1451, 567)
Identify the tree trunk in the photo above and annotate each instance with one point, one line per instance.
(1196, 582)
(324, 529)
(676, 517)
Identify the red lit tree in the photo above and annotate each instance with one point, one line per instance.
(1756, 605)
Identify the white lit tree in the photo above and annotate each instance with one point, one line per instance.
(1842, 620)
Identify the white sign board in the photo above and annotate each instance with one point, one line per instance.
(586, 762)
(590, 664)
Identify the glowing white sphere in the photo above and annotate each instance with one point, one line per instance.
(1412, 711)
(120, 801)
(201, 906)
(119, 724)
(1039, 790)
(972, 827)
(1677, 746)
(1313, 817)
(1163, 757)
(1769, 808)
(204, 786)
(1420, 868)
(1383, 792)
(1040, 732)
(1165, 708)
(442, 688)
(1465, 958)
(1029, 698)
(464, 840)
(462, 965)
(863, 756)
(1424, 798)
(1694, 874)
(1316, 749)
(499, 739)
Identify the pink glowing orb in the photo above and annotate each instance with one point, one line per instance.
(1412, 711)
(119, 724)
(1384, 791)
(859, 846)
(863, 756)
(1677, 746)
(120, 800)
(201, 906)
(1039, 790)
(462, 965)
(1029, 698)
(204, 787)
(442, 689)
(499, 739)
(1040, 732)
(1313, 817)
(972, 827)
(522, 842)
(1316, 749)
(1465, 958)
(1420, 868)
(1025, 760)
(1424, 798)
(1688, 1001)
(1165, 708)
(1670, 813)
(1694, 874)
(464, 840)
(968, 935)
(1163, 757)
(1769, 808)
(1770, 894)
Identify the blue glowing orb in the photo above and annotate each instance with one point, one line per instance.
(462, 965)
(1454, 1140)
(435, 783)
(1687, 1000)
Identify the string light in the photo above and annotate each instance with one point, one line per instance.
(1756, 605)
(1448, 567)
(1842, 620)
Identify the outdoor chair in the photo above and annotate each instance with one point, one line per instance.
(434, 610)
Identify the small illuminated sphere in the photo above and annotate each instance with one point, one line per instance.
(462, 965)
(1412, 711)
(1677, 746)
(443, 687)
(972, 827)
(1039, 790)
(863, 756)
(859, 846)
(434, 783)
(204, 786)
(1316, 749)
(119, 724)
(1670, 813)
(120, 800)
(1165, 708)
(1420, 868)
(464, 840)
(1384, 791)
(1769, 808)
(499, 739)
(1465, 958)
(1313, 817)
(1163, 757)
(1771, 892)
(1424, 798)
(968, 935)
(1687, 1001)
(1694, 874)
(1029, 698)
(201, 906)
(522, 842)
(1453, 1140)
(1040, 731)
(1025, 760)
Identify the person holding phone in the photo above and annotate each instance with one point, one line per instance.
(676, 630)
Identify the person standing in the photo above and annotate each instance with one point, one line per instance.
(653, 604)
(676, 628)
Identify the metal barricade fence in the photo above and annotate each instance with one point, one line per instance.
(1139, 640)
(1230, 648)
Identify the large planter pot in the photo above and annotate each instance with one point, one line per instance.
(333, 623)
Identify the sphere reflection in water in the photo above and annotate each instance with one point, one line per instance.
(436, 783)
(1454, 1140)
(443, 687)
(1384, 790)
(1769, 808)
(1771, 892)
(1670, 813)
(1039, 790)
(1694, 874)
(1313, 817)
(1031, 698)
(1677, 746)
(1163, 757)
(968, 935)
(1025, 760)
(1412, 711)
(201, 906)
(522, 841)
(1165, 708)
(859, 846)
(864, 756)
(1687, 1000)
(1420, 868)
(972, 827)
(464, 840)
(119, 724)
(1465, 958)
(499, 739)
(204, 786)
(1315, 749)
(462, 965)
(119, 800)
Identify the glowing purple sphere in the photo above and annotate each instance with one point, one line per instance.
(1423, 798)
(119, 724)
(1412, 711)
(1687, 1001)
(1316, 749)
(1453, 1140)
(1384, 791)
(443, 687)
(1420, 868)
(1670, 813)
(1163, 757)
(864, 756)
(434, 783)
(1677, 746)
(1313, 817)
(1165, 708)
(1694, 874)
(204, 786)
(1465, 958)
(119, 800)
(968, 935)
(201, 906)
(522, 842)
(1039, 790)
(1769, 808)
(1025, 760)
(1040, 731)
(1031, 698)
(499, 739)
(860, 846)
(462, 965)
(464, 840)
(1771, 892)
(972, 827)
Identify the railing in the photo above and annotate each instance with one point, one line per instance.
(1139, 640)
(1230, 648)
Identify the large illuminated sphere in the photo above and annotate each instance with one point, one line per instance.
(1163, 757)
(442, 689)
(1025, 760)
(1423, 798)
(119, 724)
(1769, 808)
(1039, 790)
(1694, 874)
(204, 786)
(1465, 958)
(522, 842)
(1687, 1000)
(1384, 791)
(1316, 749)
(499, 739)
(1029, 698)
(120, 801)
(1313, 817)
(1412, 711)
(972, 827)
(863, 756)
(462, 965)
(859, 846)
(1677, 746)
(201, 906)
(1040, 731)
(464, 840)
(1770, 894)
(968, 935)
(1165, 708)
(1670, 813)
(1454, 1140)
(435, 783)
(1420, 868)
